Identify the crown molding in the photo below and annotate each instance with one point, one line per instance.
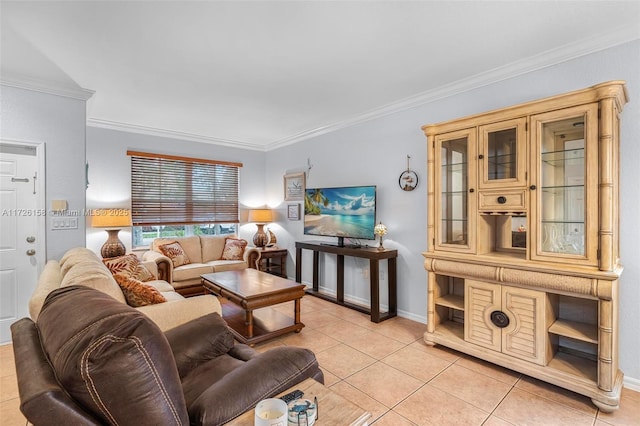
(165, 133)
(47, 87)
(551, 57)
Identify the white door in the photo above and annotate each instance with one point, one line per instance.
(23, 230)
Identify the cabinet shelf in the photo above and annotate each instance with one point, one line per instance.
(451, 301)
(563, 157)
(575, 330)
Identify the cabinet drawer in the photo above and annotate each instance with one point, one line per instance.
(501, 201)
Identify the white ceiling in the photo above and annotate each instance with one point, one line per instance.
(264, 74)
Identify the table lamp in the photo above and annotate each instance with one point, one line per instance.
(260, 217)
(113, 220)
(380, 230)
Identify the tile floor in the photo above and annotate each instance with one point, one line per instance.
(388, 370)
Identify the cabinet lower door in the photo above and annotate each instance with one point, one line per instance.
(526, 335)
(507, 319)
(481, 299)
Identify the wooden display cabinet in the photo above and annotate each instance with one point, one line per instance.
(523, 239)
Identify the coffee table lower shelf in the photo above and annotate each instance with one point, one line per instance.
(267, 323)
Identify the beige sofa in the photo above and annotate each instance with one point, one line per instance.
(81, 266)
(205, 256)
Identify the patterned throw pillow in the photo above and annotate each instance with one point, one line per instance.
(234, 249)
(175, 252)
(129, 265)
(138, 293)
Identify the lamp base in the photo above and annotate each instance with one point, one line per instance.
(260, 238)
(113, 247)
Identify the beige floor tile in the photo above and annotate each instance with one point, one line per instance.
(496, 421)
(10, 414)
(439, 351)
(340, 330)
(384, 383)
(8, 388)
(317, 319)
(402, 329)
(265, 346)
(329, 378)
(6, 350)
(416, 363)
(477, 389)
(375, 344)
(627, 414)
(557, 394)
(343, 360)
(505, 375)
(7, 364)
(310, 339)
(431, 406)
(361, 399)
(392, 418)
(524, 408)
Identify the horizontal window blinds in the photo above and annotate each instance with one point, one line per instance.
(176, 190)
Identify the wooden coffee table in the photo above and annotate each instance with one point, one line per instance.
(332, 408)
(252, 292)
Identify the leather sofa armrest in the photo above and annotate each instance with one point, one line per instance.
(264, 376)
(164, 264)
(171, 314)
(42, 400)
(252, 257)
(198, 341)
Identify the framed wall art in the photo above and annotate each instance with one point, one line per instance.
(293, 211)
(294, 186)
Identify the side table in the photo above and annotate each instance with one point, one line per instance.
(274, 261)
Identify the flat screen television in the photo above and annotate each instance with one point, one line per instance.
(343, 212)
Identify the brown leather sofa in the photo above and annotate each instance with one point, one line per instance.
(91, 360)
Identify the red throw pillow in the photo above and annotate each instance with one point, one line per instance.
(234, 249)
(129, 265)
(175, 252)
(138, 293)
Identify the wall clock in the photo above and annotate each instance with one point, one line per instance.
(408, 179)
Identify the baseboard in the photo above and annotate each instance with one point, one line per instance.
(631, 383)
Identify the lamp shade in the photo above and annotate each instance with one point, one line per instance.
(260, 216)
(111, 218)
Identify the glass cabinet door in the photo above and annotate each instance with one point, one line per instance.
(502, 154)
(455, 192)
(565, 179)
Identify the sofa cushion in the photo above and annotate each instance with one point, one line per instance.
(111, 358)
(212, 247)
(48, 281)
(76, 255)
(190, 245)
(129, 265)
(175, 252)
(193, 270)
(93, 273)
(234, 249)
(137, 293)
(228, 265)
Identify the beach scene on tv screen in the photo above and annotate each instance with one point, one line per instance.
(340, 212)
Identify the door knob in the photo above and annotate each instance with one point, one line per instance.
(31, 239)
(31, 252)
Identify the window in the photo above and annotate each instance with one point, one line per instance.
(178, 196)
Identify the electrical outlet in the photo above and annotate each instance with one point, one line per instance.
(365, 273)
(382, 275)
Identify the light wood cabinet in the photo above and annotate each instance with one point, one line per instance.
(523, 238)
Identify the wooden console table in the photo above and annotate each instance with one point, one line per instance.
(374, 255)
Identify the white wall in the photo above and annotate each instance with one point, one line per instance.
(110, 173)
(59, 122)
(375, 153)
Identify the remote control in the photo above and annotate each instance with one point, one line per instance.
(291, 396)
